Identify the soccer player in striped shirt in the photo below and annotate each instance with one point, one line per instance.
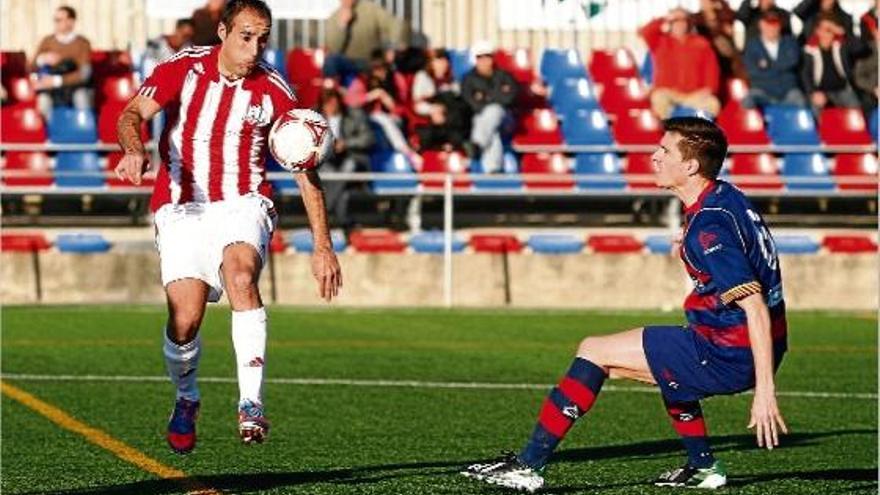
(213, 216)
(733, 341)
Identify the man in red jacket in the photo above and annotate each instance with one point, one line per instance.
(685, 68)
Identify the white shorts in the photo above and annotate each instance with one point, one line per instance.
(191, 237)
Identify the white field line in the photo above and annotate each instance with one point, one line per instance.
(396, 383)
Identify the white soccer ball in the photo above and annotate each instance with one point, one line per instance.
(300, 140)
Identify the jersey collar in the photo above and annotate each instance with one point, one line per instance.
(690, 210)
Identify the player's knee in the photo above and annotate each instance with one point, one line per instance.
(241, 281)
(183, 325)
(591, 349)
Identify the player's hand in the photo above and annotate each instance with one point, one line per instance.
(328, 274)
(132, 167)
(766, 419)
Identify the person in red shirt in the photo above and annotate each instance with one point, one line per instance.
(214, 219)
(686, 71)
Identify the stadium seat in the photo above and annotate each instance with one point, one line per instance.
(275, 58)
(108, 117)
(461, 63)
(790, 125)
(795, 244)
(737, 89)
(277, 244)
(13, 63)
(107, 64)
(842, 126)
(496, 182)
(609, 66)
(75, 163)
(22, 124)
(21, 91)
(743, 126)
(376, 242)
(433, 243)
(303, 242)
(518, 63)
(806, 171)
(614, 244)
(856, 165)
(571, 93)
(118, 89)
(659, 244)
(538, 127)
(586, 127)
(751, 171)
(557, 64)
(606, 165)
(546, 164)
(637, 127)
(555, 244)
(685, 111)
(639, 164)
(35, 162)
(305, 69)
(624, 95)
(24, 242)
(82, 243)
(495, 243)
(849, 244)
(394, 163)
(72, 126)
(286, 185)
(872, 125)
(647, 69)
(443, 162)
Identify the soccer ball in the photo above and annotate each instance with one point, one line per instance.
(300, 140)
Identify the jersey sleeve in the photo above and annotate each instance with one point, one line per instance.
(166, 82)
(283, 98)
(719, 247)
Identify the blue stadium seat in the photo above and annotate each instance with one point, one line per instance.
(462, 62)
(71, 126)
(284, 186)
(685, 111)
(572, 93)
(647, 69)
(659, 243)
(382, 143)
(555, 243)
(586, 126)
(276, 59)
(396, 163)
(432, 242)
(82, 243)
(510, 166)
(79, 162)
(872, 125)
(606, 164)
(303, 242)
(796, 244)
(812, 166)
(557, 64)
(789, 125)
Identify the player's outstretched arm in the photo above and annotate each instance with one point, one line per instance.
(765, 415)
(325, 266)
(128, 129)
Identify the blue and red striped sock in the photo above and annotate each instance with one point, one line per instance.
(687, 419)
(567, 402)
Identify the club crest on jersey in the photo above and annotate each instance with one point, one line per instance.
(256, 115)
(707, 239)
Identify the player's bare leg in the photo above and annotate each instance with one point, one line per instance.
(241, 274)
(186, 308)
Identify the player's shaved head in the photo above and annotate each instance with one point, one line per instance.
(701, 140)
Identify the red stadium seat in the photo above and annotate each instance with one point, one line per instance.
(21, 91)
(546, 163)
(107, 120)
(496, 243)
(538, 127)
(443, 162)
(376, 242)
(753, 167)
(737, 89)
(639, 164)
(118, 89)
(637, 127)
(743, 126)
(852, 165)
(607, 66)
(13, 64)
(842, 126)
(22, 124)
(277, 244)
(107, 64)
(624, 95)
(24, 242)
(614, 244)
(849, 244)
(35, 162)
(306, 69)
(518, 63)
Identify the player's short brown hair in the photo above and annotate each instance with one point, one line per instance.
(234, 7)
(702, 140)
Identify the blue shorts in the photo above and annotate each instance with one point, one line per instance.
(687, 367)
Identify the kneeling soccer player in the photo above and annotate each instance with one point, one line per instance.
(734, 340)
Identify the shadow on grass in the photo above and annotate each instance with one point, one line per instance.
(365, 475)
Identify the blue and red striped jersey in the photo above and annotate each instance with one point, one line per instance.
(729, 254)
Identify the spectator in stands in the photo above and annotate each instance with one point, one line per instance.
(714, 22)
(866, 67)
(205, 21)
(354, 139)
(437, 99)
(810, 12)
(166, 45)
(489, 92)
(772, 61)
(380, 91)
(750, 15)
(62, 65)
(685, 68)
(353, 32)
(827, 68)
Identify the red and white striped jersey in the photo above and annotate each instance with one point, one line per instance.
(214, 141)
